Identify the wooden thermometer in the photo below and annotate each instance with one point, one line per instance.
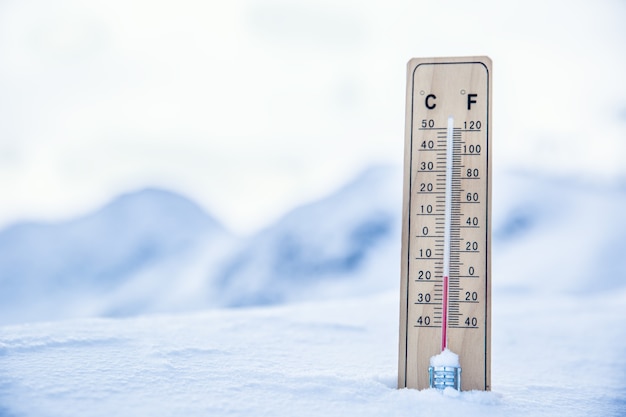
(445, 300)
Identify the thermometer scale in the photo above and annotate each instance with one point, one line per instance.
(445, 303)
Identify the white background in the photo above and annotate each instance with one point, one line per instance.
(251, 107)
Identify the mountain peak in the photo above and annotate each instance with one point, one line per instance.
(151, 202)
(102, 251)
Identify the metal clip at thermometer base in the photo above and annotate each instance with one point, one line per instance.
(445, 370)
(442, 377)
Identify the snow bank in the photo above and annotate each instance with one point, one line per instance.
(324, 358)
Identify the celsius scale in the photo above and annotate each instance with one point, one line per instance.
(445, 302)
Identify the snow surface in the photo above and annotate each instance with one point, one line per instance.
(551, 356)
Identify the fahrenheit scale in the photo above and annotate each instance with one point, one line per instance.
(445, 300)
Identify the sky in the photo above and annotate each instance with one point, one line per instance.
(251, 107)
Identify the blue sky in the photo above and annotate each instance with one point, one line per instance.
(251, 107)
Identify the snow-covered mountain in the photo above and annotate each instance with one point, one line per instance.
(121, 259)
(156, 251)
(558, 235)
(348, 244)
(341, 245)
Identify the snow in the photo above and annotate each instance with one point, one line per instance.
(332, 358)
(445, 358)
(319, 332)
(149, 306)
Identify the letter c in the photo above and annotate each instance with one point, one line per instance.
(430, 105)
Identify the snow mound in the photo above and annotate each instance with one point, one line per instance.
(445, 358)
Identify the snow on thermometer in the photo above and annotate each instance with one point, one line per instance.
(445, 303)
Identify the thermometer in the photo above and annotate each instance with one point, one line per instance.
(445, 302)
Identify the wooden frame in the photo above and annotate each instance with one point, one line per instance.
(437, 89)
